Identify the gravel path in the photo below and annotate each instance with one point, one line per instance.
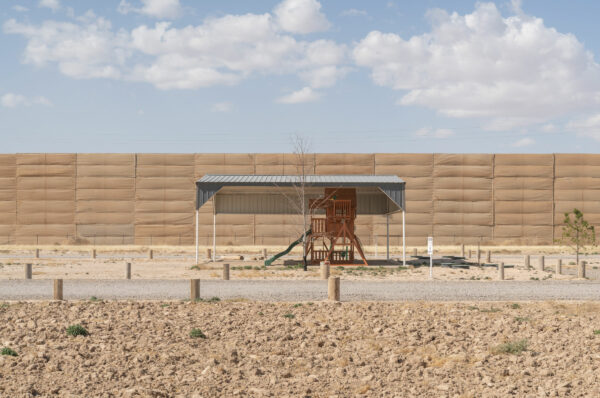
(284, 290)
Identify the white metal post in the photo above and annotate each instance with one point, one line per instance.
(387, 232)
(196, 236)
(403, 238)
(214, 253)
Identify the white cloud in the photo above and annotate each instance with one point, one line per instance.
(588, 126)
(161, 9)
(301, 16)
(523, 142)
(353, 12)
(11, 100)
(52, 4)
(219, 51)
(20, 8)
(222, 107)
(437, 133)
(549, 128)
(510, 72)
(305, 94)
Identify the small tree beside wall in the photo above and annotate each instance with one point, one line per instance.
(577, 232)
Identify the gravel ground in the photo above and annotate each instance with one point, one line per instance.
(285, 290)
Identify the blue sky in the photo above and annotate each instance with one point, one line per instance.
(350, 76)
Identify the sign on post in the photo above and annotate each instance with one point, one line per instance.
(430, 252)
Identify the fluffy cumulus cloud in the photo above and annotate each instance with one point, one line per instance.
(221, 107)
(587, 126)
(301, 16)
(52, 4)
(523, 142)
(508, 71)
(161, 9)
(437, 133)
(219, 51)
(305, 94)
(11, 100)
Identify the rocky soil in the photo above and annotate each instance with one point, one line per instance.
(301, 349)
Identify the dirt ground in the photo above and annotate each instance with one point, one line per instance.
(317, 349)
(178, 263)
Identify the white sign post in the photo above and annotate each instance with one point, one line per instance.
(430, 252)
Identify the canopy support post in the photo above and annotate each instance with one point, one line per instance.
(387, 233)
(196, 236)
(403, 238)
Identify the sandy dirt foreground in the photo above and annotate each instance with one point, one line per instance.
(301, 349)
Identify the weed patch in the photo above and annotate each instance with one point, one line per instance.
(9, 352)
(197, 334)
(511, 347)
(77, 330)
(289, 316)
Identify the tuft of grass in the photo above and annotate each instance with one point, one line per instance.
(310, 303)
(289, 316)
(515, 306)
(197, 334)
(534, 278)
(511, 347)
(164, 305)
(493, 309)
(260, 313)
(94, 298)
(213, 299)
(4, 305)
(77, 330)
(597, 332)
(195, 267)
(522, 319)
(297, 305)
(9, 352)
(473, 308)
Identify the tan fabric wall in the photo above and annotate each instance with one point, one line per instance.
(149, 198)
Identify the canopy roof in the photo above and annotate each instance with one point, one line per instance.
(274, 194)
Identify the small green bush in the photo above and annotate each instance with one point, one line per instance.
(512, 347)
(289, 316)
(77, 330)
(297, 305)
(522, 319)
(195, 267)
(493, 309)
(515, 306)
(597, 332)
(197, 333)
(9, 351)
(260, 313)
(94, 298)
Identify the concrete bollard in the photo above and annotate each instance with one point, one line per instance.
(542, 263)
(208, 253)
(194, 289)
(478, 256)
(225, 272)
(58, 289)
(527, 261)
(581, 269)
(501, 271)
(462, 250)
(37, 253)
(324, 270)
(264, 254)
(488, 256)
(28, 271)
(415, 252)
(93, 253)
(128, 271)
(470, 253)
(559, 267)
(150, 254)
(333, 288)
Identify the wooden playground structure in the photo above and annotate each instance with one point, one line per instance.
(332, 236)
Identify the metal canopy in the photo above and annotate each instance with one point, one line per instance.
(269, 194)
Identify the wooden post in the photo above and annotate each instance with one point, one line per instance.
(208, 253)
(225, 272)
(93, 253)
(265, 254)
(150, 254)
(581, 269)
(194, 289)
(128, 271)
(415, 252)
(58, 289)
(559, 267)
(324, 270)
(478, 255)
(28, 270)
(488, 257)
(470, 253)
(542, 263)
(37, 253)
(501, 271)
(462, 250)
(527, 261)
(333, 290)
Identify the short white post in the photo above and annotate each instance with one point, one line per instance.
(527, 258)
(194, 289)
(58, 289)
(541, 263)
(127, 270)
(462, 250)
(28, 271)
(37, 253)
(150, 254)
(208, 253)
(501, 271)
(430, 252)
(225, 272)
(488, 257)
(264, 253)
(196, 241)
(214, 253)
(559, 267)
(387, 236)
(324, 270)
(581, 269)
(403, 238)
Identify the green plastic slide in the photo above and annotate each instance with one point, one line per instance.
(286, 251)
